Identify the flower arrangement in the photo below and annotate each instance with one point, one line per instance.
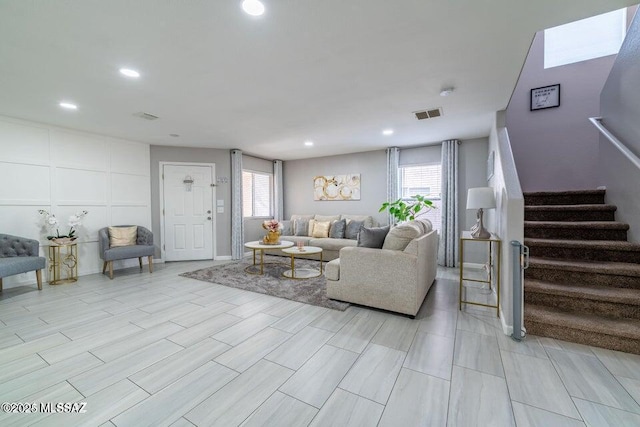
(272, 225)
(51, 222)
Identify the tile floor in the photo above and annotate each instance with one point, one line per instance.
(164, 350)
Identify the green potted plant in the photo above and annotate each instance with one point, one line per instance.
(403, 210)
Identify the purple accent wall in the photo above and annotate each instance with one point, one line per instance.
(557, 148)
(620, 107)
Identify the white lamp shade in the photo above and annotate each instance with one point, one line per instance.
(481, 198)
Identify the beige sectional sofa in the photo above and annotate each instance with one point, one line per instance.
(330, 246)
(395, 278)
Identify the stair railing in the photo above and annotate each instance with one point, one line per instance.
(520, 261)
(597, 122)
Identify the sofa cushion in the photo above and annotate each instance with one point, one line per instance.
(122, 236)
(125, 252)
(332, 270)
(366, 219)
(302, 227)
(353, 228)
(320, 229)
(20, 264)
(286, 228)
(337, 229)
(329, 244)
(428, 226)
(400, 236)
(372, 237)
(329, 218)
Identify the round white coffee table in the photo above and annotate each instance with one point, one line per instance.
(259, 246)
(302, 273)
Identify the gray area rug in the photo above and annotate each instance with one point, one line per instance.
(309, 291)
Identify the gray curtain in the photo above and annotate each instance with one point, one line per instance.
(278, 191)
(237, 222)
(393, 156)
(449, 234)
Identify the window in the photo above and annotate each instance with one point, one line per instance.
(256, 194)
(426, 181)
(588, 38)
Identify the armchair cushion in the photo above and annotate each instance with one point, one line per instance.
(123, 236)
(125, 252)
(372, 237)
(400, 236)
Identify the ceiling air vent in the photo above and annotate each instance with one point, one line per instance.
(146, 116)
(428, 114)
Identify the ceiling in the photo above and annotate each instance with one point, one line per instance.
(334, 72)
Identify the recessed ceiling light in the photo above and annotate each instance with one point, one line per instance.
(387, 132)
(68, 105)
(129, 72)
(308, 143)
(447, 91)
(253, 7)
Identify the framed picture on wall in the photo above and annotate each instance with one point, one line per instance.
(545, 97)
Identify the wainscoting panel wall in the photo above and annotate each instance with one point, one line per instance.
(66, 171)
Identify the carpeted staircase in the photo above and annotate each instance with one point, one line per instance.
(583, 280)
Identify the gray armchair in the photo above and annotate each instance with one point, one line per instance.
(20, 255)
(143, 247)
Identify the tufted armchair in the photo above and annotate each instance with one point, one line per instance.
(20, 255)
(143, 247)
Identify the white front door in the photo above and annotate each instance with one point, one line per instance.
(188, 212)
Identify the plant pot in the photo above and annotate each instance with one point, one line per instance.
(63, 240)
(272, 238)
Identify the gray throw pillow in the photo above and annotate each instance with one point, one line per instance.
(372, 237)
(337, 229)
(352, 230)
(302, 227)
(286, 228)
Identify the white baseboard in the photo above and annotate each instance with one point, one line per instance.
(158, 261)
(507, 329)
(223, 258)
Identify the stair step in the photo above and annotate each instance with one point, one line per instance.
(605, 301)
(570, 213)
(574, 197)
(613, 274)
(598, 331)
(587, 250)
(585, 230)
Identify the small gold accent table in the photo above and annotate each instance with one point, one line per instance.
(494, 243)
(63, 258)
(302, 273)
(259, 246)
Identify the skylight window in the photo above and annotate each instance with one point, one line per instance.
(589, 38)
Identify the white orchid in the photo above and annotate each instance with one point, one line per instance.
(52, 222)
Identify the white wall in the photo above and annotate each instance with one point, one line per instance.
(65, 171)
(507, 219)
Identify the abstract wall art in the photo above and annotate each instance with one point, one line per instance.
(336, 187)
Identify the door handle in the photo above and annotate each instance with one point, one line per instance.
(209, 218)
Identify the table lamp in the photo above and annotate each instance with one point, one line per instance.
(480, 198)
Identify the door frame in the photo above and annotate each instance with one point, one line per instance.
(213, 204)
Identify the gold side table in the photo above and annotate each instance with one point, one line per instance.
(302, 273)
(63, 258)
(494, 243)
